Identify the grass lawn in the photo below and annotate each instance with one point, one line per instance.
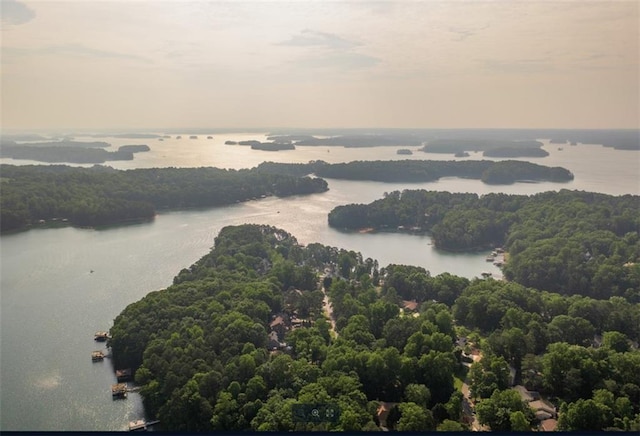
(457, 383)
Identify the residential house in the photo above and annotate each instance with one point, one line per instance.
(548, 425)
(545, 412)
(279, 325)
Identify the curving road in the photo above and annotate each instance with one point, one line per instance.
(328, 311)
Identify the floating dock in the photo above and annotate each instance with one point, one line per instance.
(141, 425)
(97, 356)
(119, 390)
(101, 336)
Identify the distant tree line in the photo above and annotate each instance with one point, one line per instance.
(68, 151)
(101, 196)
(66, 154)
(622, 139)
(503, 147)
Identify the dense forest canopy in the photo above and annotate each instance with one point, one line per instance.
(416, 171)
(102, 195)
(569, 241)
(240, 342)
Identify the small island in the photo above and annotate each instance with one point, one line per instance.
(290, 138)
(419, 171)
(264, 146)
(135, 148)
(272, 146)
(404, 151)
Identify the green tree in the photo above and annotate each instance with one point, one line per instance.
(418, 394)
(414, 418)
(497, 411)
(186, 410)
(225, 414)
(584, 415)
(449, 425)
(615, 341)
(519, 421)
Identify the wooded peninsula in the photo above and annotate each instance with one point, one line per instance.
(241, 341)
(101, 195)
(567, 242)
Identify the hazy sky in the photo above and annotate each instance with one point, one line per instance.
(144, 64)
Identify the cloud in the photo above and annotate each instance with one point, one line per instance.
(15, 12)
(312, 38)
(328, 51)
(72, 50)
(518, 66)
(462, 34)
(342, 61)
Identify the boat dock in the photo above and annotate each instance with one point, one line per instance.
(101, 336)
(97, 356)
(119, 390)
(141, 425)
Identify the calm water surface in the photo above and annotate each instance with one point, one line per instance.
(51, 302)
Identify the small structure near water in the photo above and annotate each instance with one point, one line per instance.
(101, 336)
(119, 390)
(97, 356)
(123, 375)
(141, 425)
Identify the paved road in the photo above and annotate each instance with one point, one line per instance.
(467, 404)
(467, 407)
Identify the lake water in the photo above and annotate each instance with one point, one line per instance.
(51, 302)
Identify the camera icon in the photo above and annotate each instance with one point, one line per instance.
(315, 413)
